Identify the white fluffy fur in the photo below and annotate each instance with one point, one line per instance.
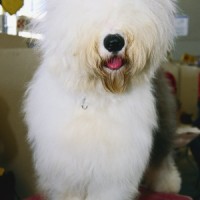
(101, 152)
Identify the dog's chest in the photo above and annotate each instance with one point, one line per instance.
(83, 132)
(103, 123)
(101, 134)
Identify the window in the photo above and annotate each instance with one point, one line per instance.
(31, 9)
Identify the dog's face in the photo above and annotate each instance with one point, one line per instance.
(112, 42)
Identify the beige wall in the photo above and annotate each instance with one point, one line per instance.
(11, 41)
(16, 69)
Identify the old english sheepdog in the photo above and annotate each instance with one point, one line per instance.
(99, 112)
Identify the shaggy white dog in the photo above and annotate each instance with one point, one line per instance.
(91, 107)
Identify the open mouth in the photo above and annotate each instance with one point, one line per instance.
(114, 63)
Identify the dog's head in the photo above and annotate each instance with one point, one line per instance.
(108, 42)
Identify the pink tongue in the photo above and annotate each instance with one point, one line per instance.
(114, 63)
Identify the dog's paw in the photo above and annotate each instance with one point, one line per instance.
(167, 181)
(164, 178)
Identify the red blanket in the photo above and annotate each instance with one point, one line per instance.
(145, 195)
(150, 196)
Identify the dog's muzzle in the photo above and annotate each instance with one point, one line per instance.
(114, 43)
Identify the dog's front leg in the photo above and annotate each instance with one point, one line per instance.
(116, 191)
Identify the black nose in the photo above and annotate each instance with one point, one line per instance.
(113, 43)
